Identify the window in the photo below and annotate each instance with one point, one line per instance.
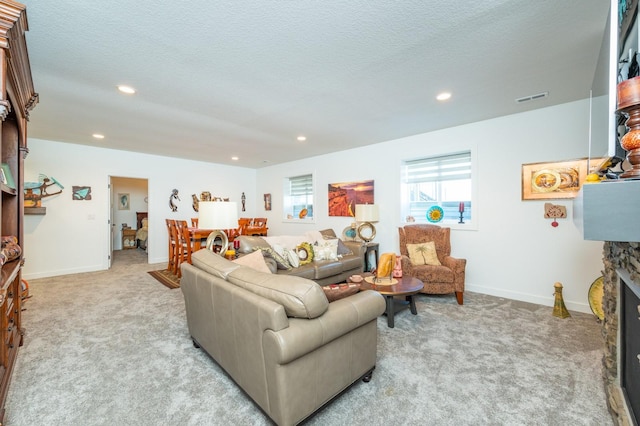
(298, 197)
(443, 181)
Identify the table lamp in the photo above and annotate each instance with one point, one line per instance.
(366, 213)
(217, 216)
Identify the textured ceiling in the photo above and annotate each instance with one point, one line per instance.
(222, 78)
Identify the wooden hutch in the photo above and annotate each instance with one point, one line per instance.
(17, 98)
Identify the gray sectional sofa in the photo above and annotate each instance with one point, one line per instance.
(277, 336)
(323, 272)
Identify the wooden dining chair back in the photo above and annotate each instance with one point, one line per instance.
(194, 222)
(243, 222)
(185, 245)
(173, 245)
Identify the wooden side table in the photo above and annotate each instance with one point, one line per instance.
(370, 248)
(128, 239)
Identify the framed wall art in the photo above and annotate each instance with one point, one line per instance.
(548, 181)
(344, 196)
(123, 201)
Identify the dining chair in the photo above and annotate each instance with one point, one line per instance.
(173, 244)
(185, 245)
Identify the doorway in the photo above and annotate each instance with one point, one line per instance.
(128, 211)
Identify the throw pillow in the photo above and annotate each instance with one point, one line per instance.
(423, 254)
(340, 291)
(326, 250)
(342, 249)
(253, 260)
(293, 258)
(305, 253)
(280, 261)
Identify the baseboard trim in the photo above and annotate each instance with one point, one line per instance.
(531, 298)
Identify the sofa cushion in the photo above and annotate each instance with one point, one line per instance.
(304, 271)
(213, 263)
(351, 262)
(327, 268)
(253, 260)
(300, 297)
(423, 254)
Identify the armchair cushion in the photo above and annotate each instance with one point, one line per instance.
(423, 253)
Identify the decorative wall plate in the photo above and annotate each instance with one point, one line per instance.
(349, 233)
(546, 180)
(435, 214)
(596, 293)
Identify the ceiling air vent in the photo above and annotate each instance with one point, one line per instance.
(532, 97)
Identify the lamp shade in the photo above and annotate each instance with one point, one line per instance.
(217, 215)
(367, 213)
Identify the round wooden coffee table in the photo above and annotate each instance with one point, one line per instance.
(406, 286)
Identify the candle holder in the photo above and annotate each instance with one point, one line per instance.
(628, 93)
(461, 221)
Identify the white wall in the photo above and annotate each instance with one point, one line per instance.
(514, 252)
(73, 236)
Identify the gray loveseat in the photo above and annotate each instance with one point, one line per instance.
(277, 336)
(323, 272)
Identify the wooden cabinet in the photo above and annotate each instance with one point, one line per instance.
(17, 98)
(128, 238)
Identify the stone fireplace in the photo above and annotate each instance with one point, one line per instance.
(621, 264)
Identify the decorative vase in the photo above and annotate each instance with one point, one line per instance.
(629, 106)
(559, 309)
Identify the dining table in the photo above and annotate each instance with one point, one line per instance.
(199, 237)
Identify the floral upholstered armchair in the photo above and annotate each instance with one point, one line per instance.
(426, 255)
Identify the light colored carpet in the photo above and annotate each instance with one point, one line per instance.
(112, 348)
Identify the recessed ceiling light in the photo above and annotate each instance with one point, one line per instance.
(127, 89)
(443, 96)
(302, 138)
(98, 136)
(234, 158)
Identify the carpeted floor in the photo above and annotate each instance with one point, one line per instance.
(112, 348)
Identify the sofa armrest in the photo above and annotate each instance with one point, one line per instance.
(306, 335)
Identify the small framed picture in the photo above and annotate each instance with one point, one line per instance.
(267, 202)
(123, 201)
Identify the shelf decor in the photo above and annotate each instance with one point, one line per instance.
(7, 176)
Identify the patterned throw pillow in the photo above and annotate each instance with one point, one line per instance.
(326, 250)
(342, 249)
(280, 261)
(305, 253)
(423, 254)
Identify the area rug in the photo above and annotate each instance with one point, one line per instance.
(166, 278)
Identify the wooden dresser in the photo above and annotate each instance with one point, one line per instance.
(17, 98)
